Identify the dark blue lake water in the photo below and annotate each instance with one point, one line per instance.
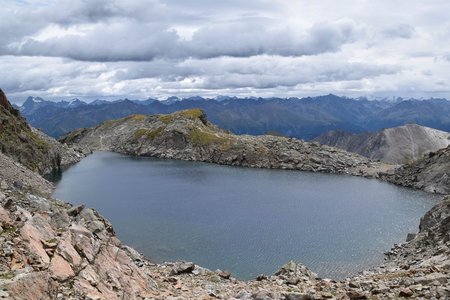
(247, 221)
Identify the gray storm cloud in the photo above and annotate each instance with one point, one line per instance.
(133, 41)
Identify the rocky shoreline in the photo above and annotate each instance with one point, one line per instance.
(52, 250)
(431, 173)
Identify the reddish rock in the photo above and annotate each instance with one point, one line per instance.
(4, 217)
(60, 269)
(84, 242)
(85, 290)
(114, 267)
(67, 251)
(33, 286)
(17, 262)
(42, 223)
(5, 103)
(405, 292)
(225, 274)
(32, 239)
(90, 275)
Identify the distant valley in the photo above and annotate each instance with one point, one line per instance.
(304, 118)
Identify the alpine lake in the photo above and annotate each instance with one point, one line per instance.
(246, 221)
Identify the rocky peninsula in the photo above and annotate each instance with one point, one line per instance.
(188, 135)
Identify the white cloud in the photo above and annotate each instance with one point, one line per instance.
(141, 48)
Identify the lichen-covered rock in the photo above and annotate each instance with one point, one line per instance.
(187, 135)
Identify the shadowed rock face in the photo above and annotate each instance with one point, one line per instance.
(188, 135)
(29, 146)
(6, 105)
(396, 145)
(431, 173)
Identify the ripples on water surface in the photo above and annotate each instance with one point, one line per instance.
(248, 221)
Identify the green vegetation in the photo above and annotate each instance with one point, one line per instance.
(73, 136)
(18, 141)
(139, 133)
(42, 144)
(136, 117)
(189, 114)
(108, 123)
(149, 134)
(51, 241)
(154, 133)
(205, 138)
(166, 118)
(9, 230)
(213, 278)
(261, 150)
(6, 275)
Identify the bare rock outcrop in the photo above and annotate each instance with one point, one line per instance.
(14, 175)
(50, 251)
(398, 145)
(431, 173)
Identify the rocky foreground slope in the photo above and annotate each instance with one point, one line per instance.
(398, 145)
(188, 135)
(52, 250)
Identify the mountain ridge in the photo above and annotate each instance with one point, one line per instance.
(396, 145)
(304, 118)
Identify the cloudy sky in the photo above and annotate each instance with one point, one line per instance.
(90, 49)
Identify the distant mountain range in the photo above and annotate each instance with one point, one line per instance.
(398, 145)
(304, 118)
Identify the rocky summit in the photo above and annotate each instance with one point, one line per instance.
(396, 145)
(188, 135)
